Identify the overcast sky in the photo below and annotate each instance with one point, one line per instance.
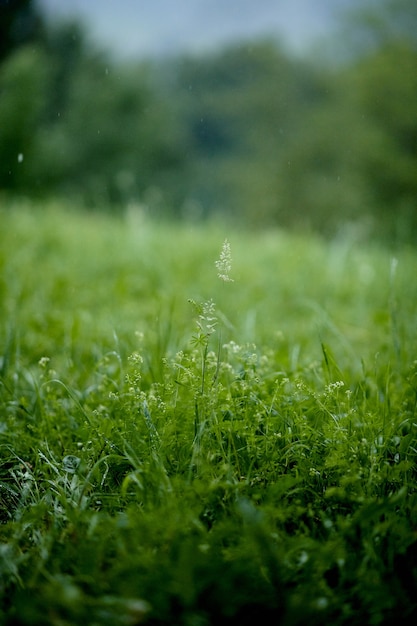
(155, 27)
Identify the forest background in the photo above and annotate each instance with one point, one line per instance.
(251, 132)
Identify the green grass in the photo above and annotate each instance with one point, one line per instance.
(176, 449)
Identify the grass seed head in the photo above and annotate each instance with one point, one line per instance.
(224, 263)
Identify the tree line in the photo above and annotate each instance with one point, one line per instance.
(250, 131)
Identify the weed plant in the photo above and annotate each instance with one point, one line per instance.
(192, 442)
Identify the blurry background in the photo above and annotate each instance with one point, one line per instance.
(295, 113)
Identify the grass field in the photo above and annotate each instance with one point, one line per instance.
(180, 449)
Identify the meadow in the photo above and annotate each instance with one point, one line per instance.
(204, 425)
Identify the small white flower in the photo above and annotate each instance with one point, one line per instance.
(332, 387)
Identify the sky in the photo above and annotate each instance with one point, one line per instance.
(138, 28)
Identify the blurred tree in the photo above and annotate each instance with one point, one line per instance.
(320, 185)
(23, 89)
(20, 23)
(111, 140)
(380, 86)
(240, 106)
(355, 156)
(385, 89)
(249, 130)
(369, 25)
(74, 122)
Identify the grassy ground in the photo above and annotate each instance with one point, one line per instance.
(180, 449)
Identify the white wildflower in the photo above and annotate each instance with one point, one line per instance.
(333, 387)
